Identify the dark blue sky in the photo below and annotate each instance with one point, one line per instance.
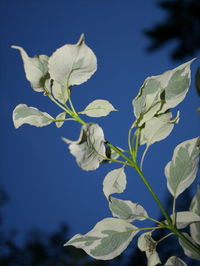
(44, 183)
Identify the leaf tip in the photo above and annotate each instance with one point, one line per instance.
(15, 47)
(81, 39)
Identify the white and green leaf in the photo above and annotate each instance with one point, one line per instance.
(114, 182)
(60, 92)
(36, 69)
(127, 210)
(72, 64)
(175, 261)
(181, 170)
(89, 149)
(195, 207)
(98, 108)
(61, 117)
(148, 101)
(23, 114)
(162, 92)
(183, 219)
(176, 85)
(188, 250)
(157, 128)
(147, 244)
(108, 239)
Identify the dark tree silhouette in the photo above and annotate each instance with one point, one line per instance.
(42, 249)
(182, 24)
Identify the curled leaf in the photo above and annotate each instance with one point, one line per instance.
(147, 244)
(35, 68)
(89, 149)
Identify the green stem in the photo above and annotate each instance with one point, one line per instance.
(78, 119)
(129, 142)
(174, 211)
(154, 220)
(186, 241)
(57, 103)
(164, 237)
(137, 142)
(143, 155)
(132, 163)
(167, 217)
(120, 153)
(146, 228)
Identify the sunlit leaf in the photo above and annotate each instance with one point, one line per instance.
(60, 116)
(147, 244)
(188, 250)
(35, 68)
(108, 239)
(181, 170)
(72, 64)
(114, 182)
(89, 149)
(162, 92)
(157, 128)
(148, 101)
(127, 210)
(22, 114)
(175, 261)
(98, 108)
(195, 207)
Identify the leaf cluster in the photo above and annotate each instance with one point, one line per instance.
(73, 64)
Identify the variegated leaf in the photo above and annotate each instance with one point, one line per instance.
(72, 64)
(127, 210)
(36, 69)
(98, 108)
(89, 149)
(23, 114)
(183, 219)
(108, 239)
(188, 250)
(181, 170)
(162, 92)
(157, 128)
(195, 207)
(114, 182)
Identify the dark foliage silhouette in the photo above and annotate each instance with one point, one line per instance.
(182, 25)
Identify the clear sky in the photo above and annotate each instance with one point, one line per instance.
(41, 177)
